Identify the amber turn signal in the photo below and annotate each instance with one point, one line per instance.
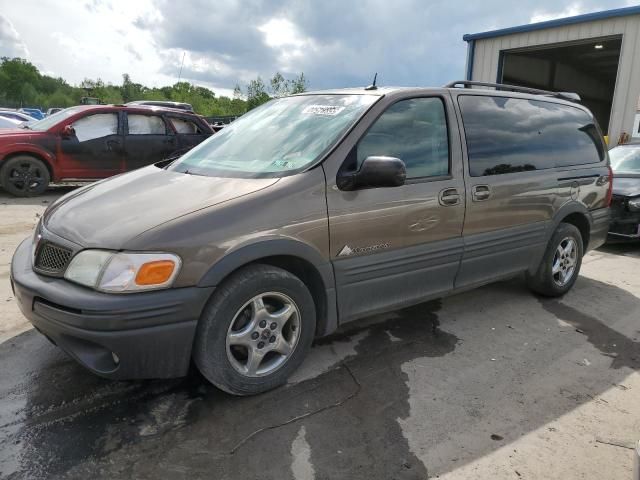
(155, 273)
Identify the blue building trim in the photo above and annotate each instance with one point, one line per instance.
(471, 48)
(560, 22)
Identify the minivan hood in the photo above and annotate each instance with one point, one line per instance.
(109, 213)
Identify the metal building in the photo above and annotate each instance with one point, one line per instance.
(596, 55)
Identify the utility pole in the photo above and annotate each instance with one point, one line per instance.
(181, 65)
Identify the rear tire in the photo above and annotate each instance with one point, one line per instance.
(24, 176)
(255, 331)
(560, 264)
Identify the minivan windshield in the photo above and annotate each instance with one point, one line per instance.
(279, 138)
(48, 122)
(625, 159)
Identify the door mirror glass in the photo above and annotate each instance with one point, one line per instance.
(68, 131)
(375, 172)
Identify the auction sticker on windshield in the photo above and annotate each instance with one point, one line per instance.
(323, 109)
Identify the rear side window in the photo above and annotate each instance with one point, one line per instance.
(415, 131)
(507, 135)
(185, 126)
(146, 125)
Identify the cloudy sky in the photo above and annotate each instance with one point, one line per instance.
(334, 42)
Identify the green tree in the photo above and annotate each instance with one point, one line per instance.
(256, 93)
(298, 84)
(129, 90)
(21, 84)
(28, 95)
(59, 99)
(279, 86)
(18, 73)
(237, 92)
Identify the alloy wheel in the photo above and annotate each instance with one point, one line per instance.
(26, 176)
(564, 261)
(263, 334)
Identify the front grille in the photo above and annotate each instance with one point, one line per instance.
(52, 258)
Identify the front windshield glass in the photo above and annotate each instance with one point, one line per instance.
(625, 159)
(51, 120)
(280, 138)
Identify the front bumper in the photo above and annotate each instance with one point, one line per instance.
(625, 224)
(119, 336)
(625, 228)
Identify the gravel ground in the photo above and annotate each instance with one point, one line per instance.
(494, 383)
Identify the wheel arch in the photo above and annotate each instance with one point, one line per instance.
(42, 156)
(297, 258)
(578, 215)
(574, 213)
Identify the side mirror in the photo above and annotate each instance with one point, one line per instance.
(68, 131)
(375, 172)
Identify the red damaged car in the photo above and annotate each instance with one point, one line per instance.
(91, 142)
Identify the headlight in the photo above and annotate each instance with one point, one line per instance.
(634, 204)
(123, 272)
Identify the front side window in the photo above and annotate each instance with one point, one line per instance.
(415, 131)
(507, 135)
(96, 126)
(280, 138)
(146, 125)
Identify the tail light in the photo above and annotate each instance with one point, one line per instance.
(610, 188)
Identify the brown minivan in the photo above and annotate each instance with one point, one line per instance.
(308, 212)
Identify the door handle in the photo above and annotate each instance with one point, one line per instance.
(480, 192)
(170, 141)
(449, 197)
(112, 143)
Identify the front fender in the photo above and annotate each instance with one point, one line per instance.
(267, 248)
(264, 248)
(30, 148)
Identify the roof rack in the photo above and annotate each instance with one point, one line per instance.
(571, 96)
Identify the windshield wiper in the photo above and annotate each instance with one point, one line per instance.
(189, 172)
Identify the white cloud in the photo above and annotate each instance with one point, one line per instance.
(545, 15)
(281, 32)
(290, 45)
(11, 45)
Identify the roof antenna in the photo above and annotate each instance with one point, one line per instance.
(373, 85)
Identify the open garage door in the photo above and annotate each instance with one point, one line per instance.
(588, 68)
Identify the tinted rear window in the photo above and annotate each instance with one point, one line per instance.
(506, 135)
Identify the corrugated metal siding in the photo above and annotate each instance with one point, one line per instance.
(625, 100)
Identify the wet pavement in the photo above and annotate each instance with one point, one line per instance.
(58, 419)
(493, 383)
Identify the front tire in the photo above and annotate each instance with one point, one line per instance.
(255, 331)
(24, 176)
(560, 264)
